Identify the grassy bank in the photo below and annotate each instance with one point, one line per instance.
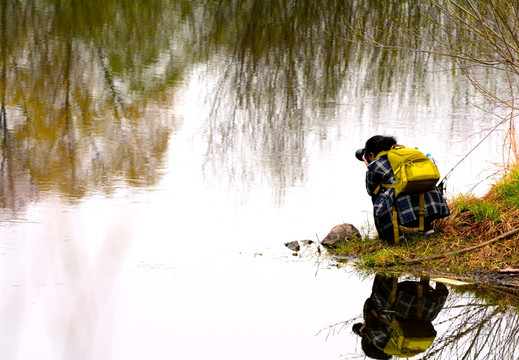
(479, 239)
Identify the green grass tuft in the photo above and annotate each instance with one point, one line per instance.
(479, 209)
(508, 188)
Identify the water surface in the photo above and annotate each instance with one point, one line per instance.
(156, 157)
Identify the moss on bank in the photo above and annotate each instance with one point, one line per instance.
(473, 222)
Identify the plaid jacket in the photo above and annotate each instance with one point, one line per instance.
(405, 305)
(407, 205)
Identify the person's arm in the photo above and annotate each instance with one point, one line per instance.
(373, 177)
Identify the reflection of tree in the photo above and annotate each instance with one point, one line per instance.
(79, 110)
(287, 65)
(477, 331)
(282, 63)
(13, 181)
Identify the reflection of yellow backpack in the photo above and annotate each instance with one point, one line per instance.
(409, 337)
(414, 173)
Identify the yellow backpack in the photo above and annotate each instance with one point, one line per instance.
(414, 173)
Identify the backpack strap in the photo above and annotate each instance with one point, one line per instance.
(421, 213)
(395, 225)
(394, 289)
(421, 218)
(382, 153)
(419, 308)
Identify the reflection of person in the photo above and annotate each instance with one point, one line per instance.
(390, 301)
(407, 205)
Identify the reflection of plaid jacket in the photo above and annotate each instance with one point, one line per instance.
(405, 305)
(407, 205)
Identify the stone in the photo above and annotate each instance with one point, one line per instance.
(340, 234)
(293, 245)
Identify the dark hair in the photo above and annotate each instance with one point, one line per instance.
(379, 143)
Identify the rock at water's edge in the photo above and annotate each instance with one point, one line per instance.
(340, 234)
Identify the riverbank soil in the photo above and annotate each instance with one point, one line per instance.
(477, 242)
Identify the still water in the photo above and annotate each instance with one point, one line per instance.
(156, 157)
